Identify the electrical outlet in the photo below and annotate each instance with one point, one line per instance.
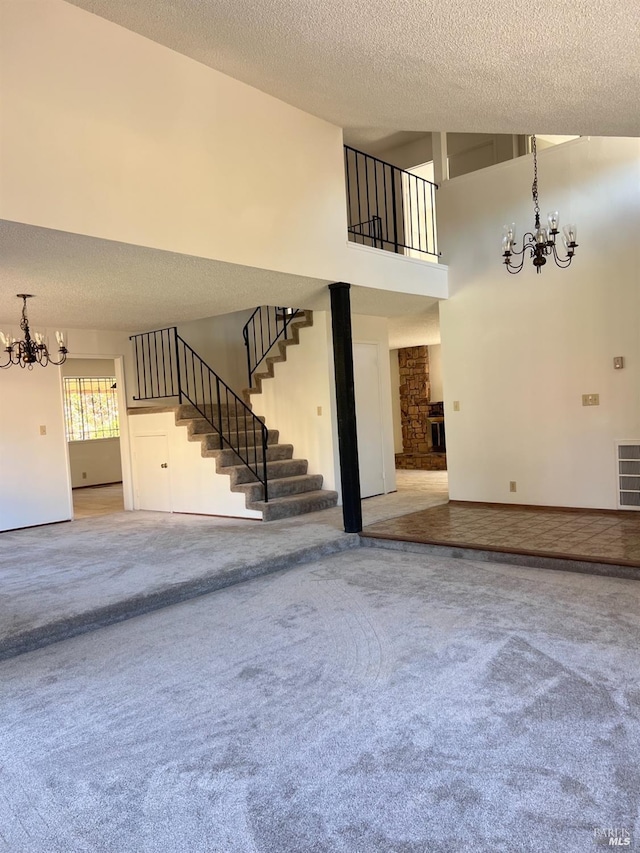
(319, 410)
(512, 486)
(84, 475)
(456, 405)
(591, 399)
(43, 430)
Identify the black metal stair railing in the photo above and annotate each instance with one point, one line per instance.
(267, 325)
(166, 366)
(388, 207)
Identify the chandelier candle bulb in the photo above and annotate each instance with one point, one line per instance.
(4, 339)
(554, 220)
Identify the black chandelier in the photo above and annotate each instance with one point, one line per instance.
(542, 242)
(30, 351)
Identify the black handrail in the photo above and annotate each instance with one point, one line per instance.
(267, 324)
(167, 366)
(388, 207)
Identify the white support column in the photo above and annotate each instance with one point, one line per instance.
(439, 150)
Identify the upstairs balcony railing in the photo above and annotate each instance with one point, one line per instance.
(389, 208)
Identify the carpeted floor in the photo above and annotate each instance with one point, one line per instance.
(60, 579)
(370, 701)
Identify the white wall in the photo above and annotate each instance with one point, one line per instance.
(195, 486)
(109, 134)
(305, 382)
(394, 368)
(519, 351)
(300, 401)
(219, 342)
(375, 330)
(34, 473)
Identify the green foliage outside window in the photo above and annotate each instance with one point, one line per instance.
(90, 408)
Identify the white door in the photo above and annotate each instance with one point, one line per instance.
(153, 485)
(366, 375)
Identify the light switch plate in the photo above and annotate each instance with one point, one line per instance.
(591, 399)
(43, 430)
(456, 405)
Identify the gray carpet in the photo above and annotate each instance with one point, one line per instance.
(371, 701)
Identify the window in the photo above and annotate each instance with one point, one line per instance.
(90, 408)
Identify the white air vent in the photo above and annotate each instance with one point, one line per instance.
(628, 474)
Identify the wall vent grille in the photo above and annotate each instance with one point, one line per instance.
(628, 474)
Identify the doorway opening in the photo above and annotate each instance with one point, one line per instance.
(92, 426)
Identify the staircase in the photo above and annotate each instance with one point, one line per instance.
(292, 491)
(243, 448)
(290, 336)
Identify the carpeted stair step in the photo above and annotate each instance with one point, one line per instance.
(281, 487)
(292, 505)
(187, 412)
(275, 470)
(202, 425)
(229, 457)
(212, 441)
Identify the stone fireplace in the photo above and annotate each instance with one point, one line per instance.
(421, 419)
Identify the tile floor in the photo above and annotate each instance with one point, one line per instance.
(97, 500)
(589, 535)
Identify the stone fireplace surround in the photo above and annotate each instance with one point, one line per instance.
(416, 410)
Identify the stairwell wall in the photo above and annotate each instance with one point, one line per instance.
(219, 342)
(299, 401)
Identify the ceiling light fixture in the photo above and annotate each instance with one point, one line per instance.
(542, 242)
(30, 351)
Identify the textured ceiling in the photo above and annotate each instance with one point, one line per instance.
(85, 283)
(561, 67)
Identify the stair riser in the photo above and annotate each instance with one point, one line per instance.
(275, 511)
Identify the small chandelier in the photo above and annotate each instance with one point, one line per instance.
(30, 351)
(542, 242)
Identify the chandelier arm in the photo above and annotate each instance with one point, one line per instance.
(563, 263)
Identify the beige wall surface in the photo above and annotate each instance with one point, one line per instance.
(219, 342)
(520, 351)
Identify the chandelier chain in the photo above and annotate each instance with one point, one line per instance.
(534, 186)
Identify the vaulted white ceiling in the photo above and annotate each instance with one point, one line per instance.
(554, 66)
